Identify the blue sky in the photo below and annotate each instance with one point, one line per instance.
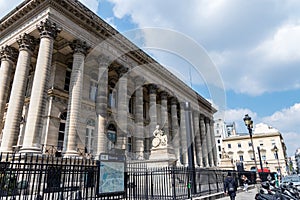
(254, 45)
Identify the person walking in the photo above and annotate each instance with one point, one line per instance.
(230, 186)
(245, 182)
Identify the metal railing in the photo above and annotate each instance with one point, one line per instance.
(48, 177)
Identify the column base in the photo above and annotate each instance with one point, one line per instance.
(31, 150)
(69, 154)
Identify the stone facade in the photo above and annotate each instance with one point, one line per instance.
(72, 85)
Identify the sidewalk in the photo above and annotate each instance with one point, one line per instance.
(243, 195)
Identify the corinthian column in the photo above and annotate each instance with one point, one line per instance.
(213, 140)
(38, 99)
(139, 118)
(101, 104)
(184, 148)
(122, 111)
(8, 58)
(204, 142)
(175, 129)
(198, 146)
(208, 140)
(11, 130)
(164, 114)
(80, 49)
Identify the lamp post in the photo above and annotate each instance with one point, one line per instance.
(277, 158)
(249, 124)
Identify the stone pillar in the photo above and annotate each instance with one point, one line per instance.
(164, 114)
(80, 49)
(152, 114)
(208, 140)
(122, 111)
(11, 130)
(204, 142)
(198, 146)
(214, 146)
(101, 104)
(139, 118)
(175, 129)
(38, 99)
(8, 57)
(183, 143)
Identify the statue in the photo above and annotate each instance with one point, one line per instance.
(160, 139)
(224, 154)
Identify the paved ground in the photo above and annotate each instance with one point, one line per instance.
(243, 195)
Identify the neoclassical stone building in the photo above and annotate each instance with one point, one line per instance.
(71, 84)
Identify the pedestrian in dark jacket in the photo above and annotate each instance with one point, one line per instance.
(230, 186)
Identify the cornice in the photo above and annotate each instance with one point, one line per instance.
(84, 17)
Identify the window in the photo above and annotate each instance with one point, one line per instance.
(219, 141)
(241, 158)
(131, 105)
(129, 144)
(68, 77)
(219, 148)
(229, 146)
(89, 136)
(112, 96)
(61, 131)
(239, 145)
(261, 143)
(112, 136)
(263, 157)
(250, 144)
(273, 142)
(275, 155)
(93, 90)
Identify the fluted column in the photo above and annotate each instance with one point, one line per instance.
(208, 140)
(11, 129)
(139, 118)
(122, 110)
(38, 99)
(8, 58)
(214, 146)
(175, 129)
(183, 141)
(164, 114)
(204, 142)
(198, 146)
(101, 104)
(80, 49)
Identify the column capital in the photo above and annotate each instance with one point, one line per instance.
(9, 53)
(104, 60)
(122, 70)
(164, 95)
(139, 81)
(27, 41)
(174, 101)
(152, 88)
(79, 46)
(202, 117)
(48, 29)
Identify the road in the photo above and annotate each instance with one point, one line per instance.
(243, 195)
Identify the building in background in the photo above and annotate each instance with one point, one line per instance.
(297, 160)
(269, 146)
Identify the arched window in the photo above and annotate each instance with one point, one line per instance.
(61, 131)
(89, 136)
(112, 136)
(253, 169)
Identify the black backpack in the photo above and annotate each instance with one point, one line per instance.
(231, 187)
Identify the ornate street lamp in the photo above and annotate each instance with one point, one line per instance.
(277, 158)
(249, 125)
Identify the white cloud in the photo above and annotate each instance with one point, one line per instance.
(284, 46)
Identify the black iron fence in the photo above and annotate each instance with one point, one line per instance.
(48, 177)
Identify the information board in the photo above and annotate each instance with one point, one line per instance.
(111, 179)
